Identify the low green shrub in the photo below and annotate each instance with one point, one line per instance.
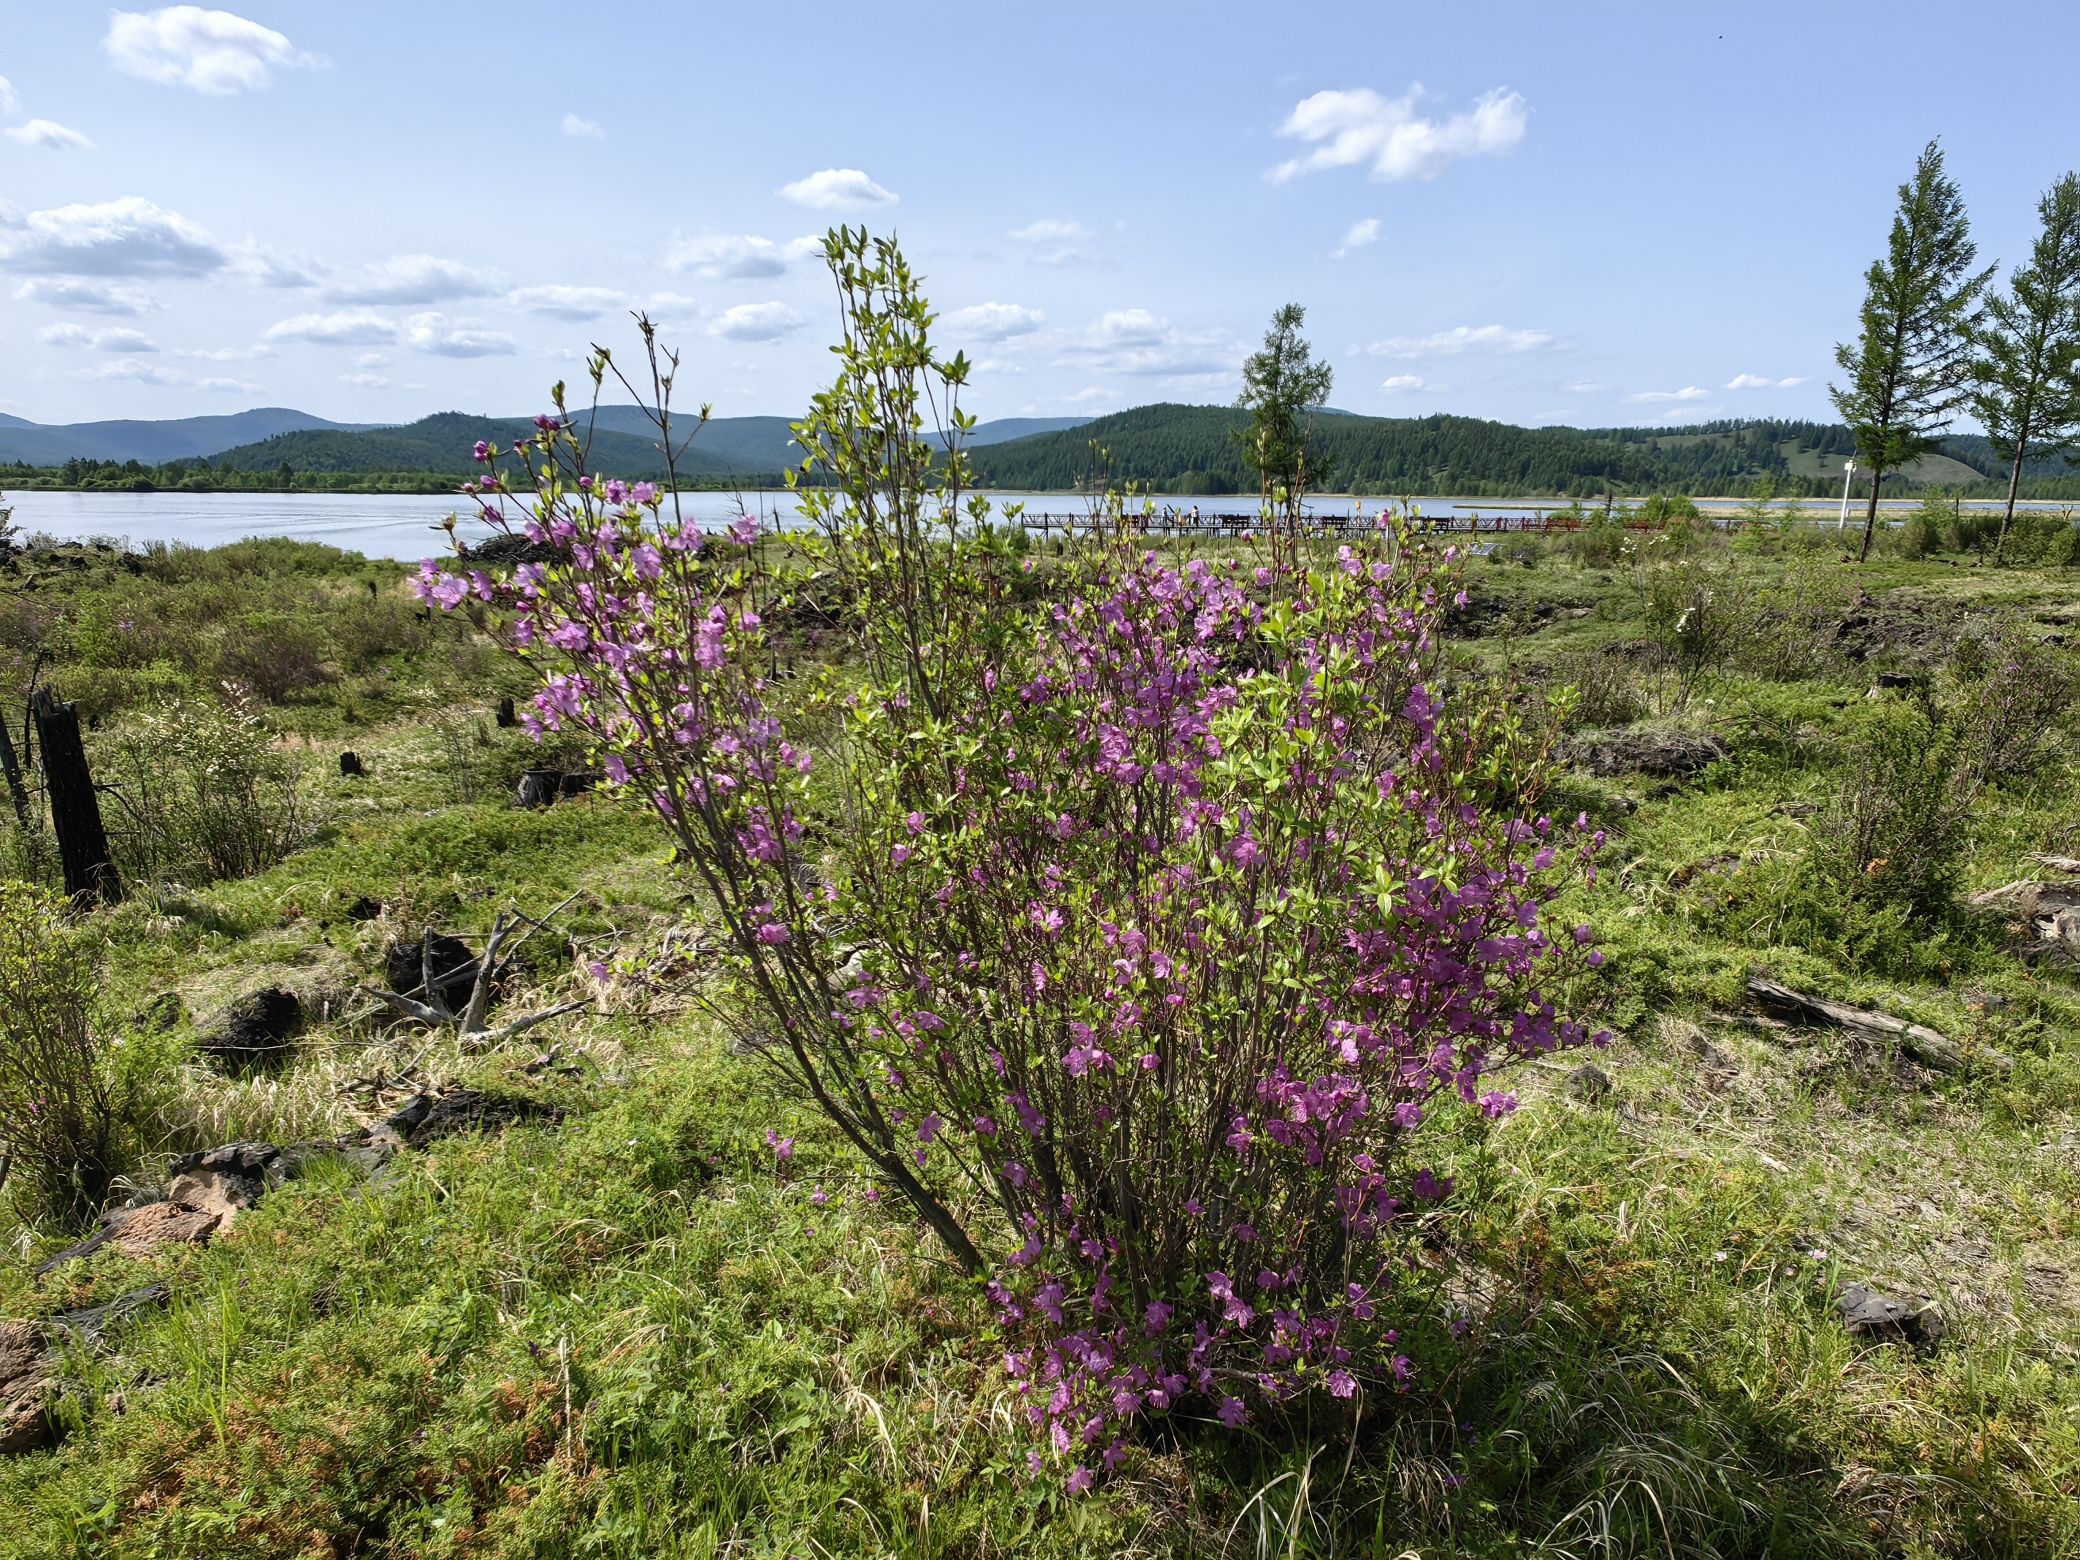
(202, 793)
(59, 1134)
(273, 654)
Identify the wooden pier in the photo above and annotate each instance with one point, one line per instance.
(1176, 523)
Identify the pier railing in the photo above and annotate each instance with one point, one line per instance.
(1235, 526)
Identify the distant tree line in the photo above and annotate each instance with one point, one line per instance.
(1198, 449)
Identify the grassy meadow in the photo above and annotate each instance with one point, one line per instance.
(617, 1325)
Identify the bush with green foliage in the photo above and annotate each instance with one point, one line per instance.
(59, 1132)
(202, 793)
(1160, 916)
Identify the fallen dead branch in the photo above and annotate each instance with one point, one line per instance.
(1924, 1045)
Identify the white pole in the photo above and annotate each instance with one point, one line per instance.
(1848, 472)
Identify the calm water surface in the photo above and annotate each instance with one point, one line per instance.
(407, 526)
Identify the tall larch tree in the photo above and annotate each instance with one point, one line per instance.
(2026, 374)
(1910, 368)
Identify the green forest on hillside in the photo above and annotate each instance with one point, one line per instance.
(1166, 447)
(1191, 449)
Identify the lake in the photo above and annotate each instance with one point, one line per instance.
(407, 526)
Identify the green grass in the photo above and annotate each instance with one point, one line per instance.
(635, 1334)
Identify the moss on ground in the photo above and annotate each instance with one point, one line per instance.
(634, 1333)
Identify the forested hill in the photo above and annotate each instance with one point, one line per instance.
(1190, 449)
(1171, 448)
(444, 441)
(624, 443)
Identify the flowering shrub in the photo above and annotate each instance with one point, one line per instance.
(1147, 924)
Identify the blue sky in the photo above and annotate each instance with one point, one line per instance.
(1594, 214)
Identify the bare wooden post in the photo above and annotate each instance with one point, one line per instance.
(75, 808)
(12, 766)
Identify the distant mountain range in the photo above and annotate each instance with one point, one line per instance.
(1167, 447)
(624, 441)
(182, 438)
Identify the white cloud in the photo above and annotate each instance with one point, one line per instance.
(10, 100)
(213, 52)
(126, 237)
(1687, 393)
(568, 303)
(1585, 387)
(1053, 241)
(1401, 382)
(1762, 382)
(738, 256)
(832, 189)
(47, 133)
(1687, 414)
(1391, 139)
(226, 386)
(757, 322)
(414, 279)
(118, 338)
(65, 292)
(583, 129)
(443, 337)
(365, 381)
(671, 306)
(135, 370)
(1360, 235)
(371, 359)
(992, 321)
(273, 268)
(1460, 339)
(341, 328)
(1135, 341)
(224, 354)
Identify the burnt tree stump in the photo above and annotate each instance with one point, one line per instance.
(90, 873)
(17, 790)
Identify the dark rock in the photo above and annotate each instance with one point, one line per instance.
(1897, 679)
(1589, 1083)
(507, 717)
(224, 1181)
(137, 1231)
(364, 909)
(544, 787)
(162, 1014)
(509, 549)
(86, 1326)
(26, 1388)
(410, 1114)
(469, 1110)
(454, 969)
(1671, 755)
(350, 765)
(1870, 1314)
(256, 1030)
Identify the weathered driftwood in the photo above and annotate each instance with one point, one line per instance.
(430, 1007)
(1920, 1042)
(2050, 910)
